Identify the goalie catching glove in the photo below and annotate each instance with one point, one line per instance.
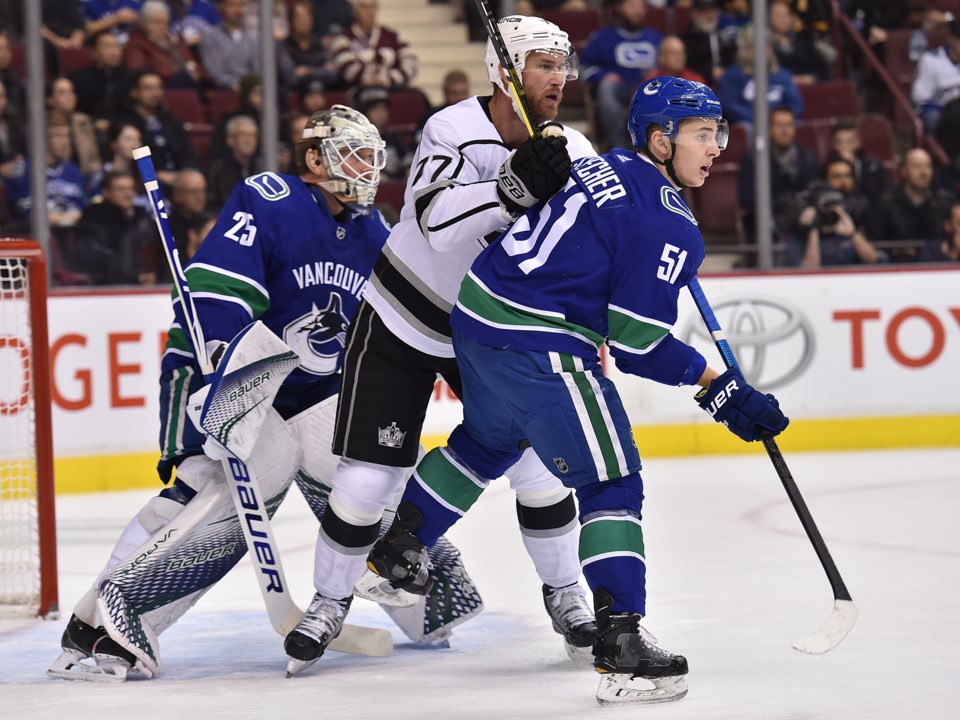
(533, 172)
(747, 413)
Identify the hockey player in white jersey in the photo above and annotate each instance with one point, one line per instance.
(474, 172)
(603, 262)
(294, 253)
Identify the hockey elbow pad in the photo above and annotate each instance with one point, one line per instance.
(746, 412)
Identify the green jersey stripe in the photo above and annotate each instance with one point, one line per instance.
(598, 420)
(631, 333)
(476, 299)
(208, 283)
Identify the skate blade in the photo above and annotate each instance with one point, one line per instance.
(69, 667)
(373, 587)
(621, 689)
(295, 667)
(581, 655)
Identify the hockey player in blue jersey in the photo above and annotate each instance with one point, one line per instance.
(295, 253)
(603, 261)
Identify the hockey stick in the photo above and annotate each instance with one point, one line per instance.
(844, 614)
(245, 491)
(513, 77)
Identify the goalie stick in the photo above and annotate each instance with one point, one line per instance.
(284, 614)
(844, 614)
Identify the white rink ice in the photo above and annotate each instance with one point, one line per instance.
(732, 581)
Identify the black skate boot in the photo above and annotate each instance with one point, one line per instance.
(572, 617)
(625, 651)
(320, 624)
(81, 641)
(398, 562)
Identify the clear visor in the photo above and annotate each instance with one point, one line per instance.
(703, 131)
(552, 61)
(356, 161)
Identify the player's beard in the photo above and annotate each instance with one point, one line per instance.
(543, 110)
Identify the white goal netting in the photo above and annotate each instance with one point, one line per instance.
(19, 524)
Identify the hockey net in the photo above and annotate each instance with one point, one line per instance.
(28, 561)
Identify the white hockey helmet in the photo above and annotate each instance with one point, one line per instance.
(352, 151)
(523, 35)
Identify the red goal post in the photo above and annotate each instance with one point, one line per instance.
(28, 550)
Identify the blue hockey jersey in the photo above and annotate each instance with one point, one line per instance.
(278, 255)
(603, 261)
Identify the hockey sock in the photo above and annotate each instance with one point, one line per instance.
(611, 541)
(443, 489)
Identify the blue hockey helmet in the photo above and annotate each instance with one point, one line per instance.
(667, 100)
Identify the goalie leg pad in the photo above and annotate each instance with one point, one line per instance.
(165, 576)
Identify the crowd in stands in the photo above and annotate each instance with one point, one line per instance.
(851, 182)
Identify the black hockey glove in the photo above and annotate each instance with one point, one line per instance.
(533, 172)
(747, 413)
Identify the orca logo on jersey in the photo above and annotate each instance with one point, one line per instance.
(674, 203)
(318, 336)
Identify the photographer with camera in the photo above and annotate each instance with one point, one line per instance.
(829, 228)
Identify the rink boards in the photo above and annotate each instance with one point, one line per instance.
(857, 359)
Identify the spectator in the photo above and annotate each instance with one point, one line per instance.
(829, 233)
(13, 141)
(370, 54)
(242, 160)
(736, 89)
(188, 201)
(111, 237)
(116, 16)
(308, 55)
(230, 50)
(615, 60)
(672, 60)
(313, 96)
(197, 230)
(795, 51)
(12, 82)
(534, 7)
(870, 177)
(250, 105)
(333, 17)
(295, 122)
(708, 53)
(913, 209)
(374, 102)
(735, 16)
(792, 169)
(122, 139)
(945, 248)
(160, 130)
(937, 80)
(62, 26)
(948, 134)
(103, 87)
(62, 104)
(191, 19)
(65, 188)
(153, 46)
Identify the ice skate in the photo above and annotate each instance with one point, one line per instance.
(628, 660)
(398, 563)
(572, 617)
(89, 654)
(320, 624)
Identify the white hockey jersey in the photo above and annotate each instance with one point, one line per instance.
(450, 213)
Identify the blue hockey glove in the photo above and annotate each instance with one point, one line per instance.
(747, 413)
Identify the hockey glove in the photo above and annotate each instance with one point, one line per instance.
(747, 413)
(533, 172)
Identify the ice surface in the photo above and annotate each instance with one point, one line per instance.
(732, 581)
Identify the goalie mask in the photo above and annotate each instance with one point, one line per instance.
(352, 152)
(523, 35)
